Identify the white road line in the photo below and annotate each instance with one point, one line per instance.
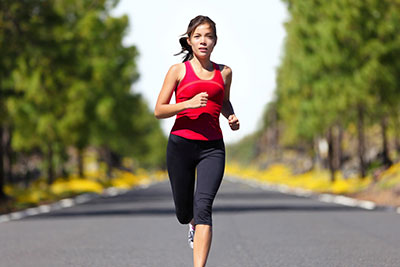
(16, 215)
(112, 191)
(144, 186)
(32, 211)
(346, 201)
(369, 205)
(328, 198)
(302, 192)
(284, 189)
(325, 198)
(82, 198)
(44, 208)
(4, 218)
(67, 202)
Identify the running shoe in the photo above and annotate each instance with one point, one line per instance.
(191, 235)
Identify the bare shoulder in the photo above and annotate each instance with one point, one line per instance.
(224, 68)
(177, 71)
(226, 71)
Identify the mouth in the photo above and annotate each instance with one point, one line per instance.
(203, 49)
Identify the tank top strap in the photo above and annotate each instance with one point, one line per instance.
(218, 75)
(190, 75)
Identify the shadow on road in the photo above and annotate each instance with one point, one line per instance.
(157, 201)
(162, 195)
(216, 210)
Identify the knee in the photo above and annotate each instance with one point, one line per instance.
(203, 212)
(183, 217)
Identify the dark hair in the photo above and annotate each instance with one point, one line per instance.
(186, 48)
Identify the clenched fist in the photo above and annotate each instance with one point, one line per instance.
(199, 100)
(233, 122)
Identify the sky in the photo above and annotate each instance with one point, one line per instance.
(250, 41)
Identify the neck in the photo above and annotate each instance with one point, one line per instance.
(204, 62)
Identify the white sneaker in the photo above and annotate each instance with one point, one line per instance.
(191, 235)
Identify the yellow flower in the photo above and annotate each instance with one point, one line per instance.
(75, 185)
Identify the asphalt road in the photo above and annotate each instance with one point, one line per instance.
(252, 227)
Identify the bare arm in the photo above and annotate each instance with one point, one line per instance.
(227, 109)
(163, 108)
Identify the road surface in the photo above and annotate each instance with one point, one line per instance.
(253, 227)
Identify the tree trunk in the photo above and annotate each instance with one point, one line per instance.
(8, 155)
(50, 169)
(277, 148)
(339, 150)
(385, 149)
(2, 176)
(80, 162)
(397, 139)
(396, 132)
(275, 132)
(331, 153)
(108, 159)
(317, 161)
(361, 141)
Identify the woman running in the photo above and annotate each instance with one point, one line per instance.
(195, 143)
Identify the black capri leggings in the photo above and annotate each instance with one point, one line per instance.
(184, 156)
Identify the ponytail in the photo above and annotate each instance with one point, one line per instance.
(186, 48)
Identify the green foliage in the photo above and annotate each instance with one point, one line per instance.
(74, 76)
(338, 55)
(243, 151)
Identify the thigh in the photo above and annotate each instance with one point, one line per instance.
(210, 171)
(181, 169)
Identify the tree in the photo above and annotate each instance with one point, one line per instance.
(66, 61)
(340, 66)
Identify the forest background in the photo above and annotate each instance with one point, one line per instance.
(67, 106)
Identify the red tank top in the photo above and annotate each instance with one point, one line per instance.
(199, 123)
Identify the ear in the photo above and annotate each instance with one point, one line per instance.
(188, 41)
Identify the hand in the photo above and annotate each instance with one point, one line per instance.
(233, 122)
(199, 100)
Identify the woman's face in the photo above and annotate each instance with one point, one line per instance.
(202, 40)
